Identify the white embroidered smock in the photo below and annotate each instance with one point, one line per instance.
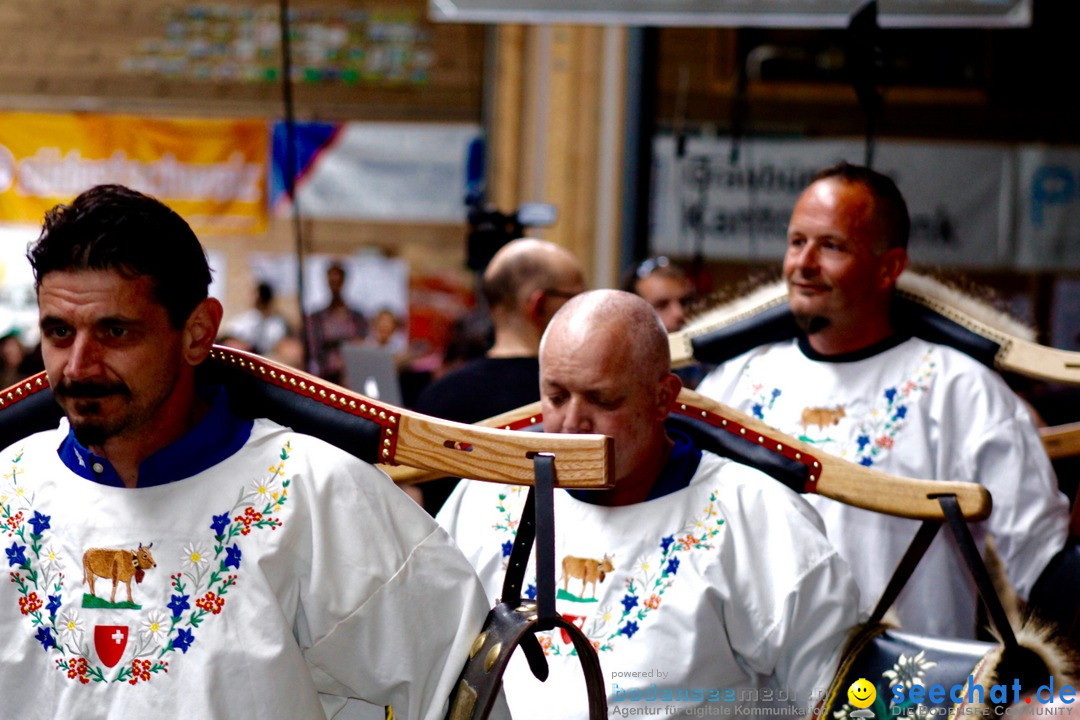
(276, 583)
(697, 601)
(916, 409)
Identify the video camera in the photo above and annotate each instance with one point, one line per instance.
(490, 229)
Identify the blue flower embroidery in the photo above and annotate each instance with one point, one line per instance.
(629, 629)
(54, 605)
(758, 411)
(507, 547)
(530, 592)
(890, 394)
(775, 393)
(901, 412)
(672, 566)
(666, 543)
(178, 605)
(44, 636)
(866, 462)
(220, 523)
(40, 522)
(863, 441)
(629, 602)
(184, 638)
(232, 557)
(16, 555)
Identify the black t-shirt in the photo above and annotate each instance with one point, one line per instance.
(477, 390)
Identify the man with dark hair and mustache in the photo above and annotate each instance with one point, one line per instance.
(287, 578)
(857, 385)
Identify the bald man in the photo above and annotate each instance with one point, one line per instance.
(696, 578)
(525, 283)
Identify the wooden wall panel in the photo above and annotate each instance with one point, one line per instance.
(547, 128)
(75, 55)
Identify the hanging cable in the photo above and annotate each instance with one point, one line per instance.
(289, 168)
(865, 66)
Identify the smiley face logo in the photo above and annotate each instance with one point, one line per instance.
(861, 693)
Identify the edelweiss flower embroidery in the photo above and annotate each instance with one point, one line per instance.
(198, 590)
(70, 627)
(195, 557)
(908, 670)
(155, 627)
(651, 577)
(50, 558)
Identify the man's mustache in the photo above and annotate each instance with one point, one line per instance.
(87, 390)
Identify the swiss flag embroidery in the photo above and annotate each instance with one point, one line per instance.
(110, 641)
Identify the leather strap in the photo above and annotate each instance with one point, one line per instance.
(520, 552)
(919, 544)
(505, 628)
(968, 550)
(512, 623)
(978, 570)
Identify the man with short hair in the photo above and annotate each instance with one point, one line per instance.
(525, 283)
(665, 286)
(857, 384)
(695, 577)
(157, 537)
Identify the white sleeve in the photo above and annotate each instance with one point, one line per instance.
(1030, 517)
(389, 607)
(407, 644)
(795, 599)
(818, 616)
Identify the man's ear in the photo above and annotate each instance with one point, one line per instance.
(201, 330)
(893, 262)
(670, 385)
(534, 308)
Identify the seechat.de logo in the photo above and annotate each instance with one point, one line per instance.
(976, 693)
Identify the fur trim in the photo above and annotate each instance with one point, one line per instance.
(735, 309)
(995, 567)
(960, 305)
(1042, 654)
(1039, 657)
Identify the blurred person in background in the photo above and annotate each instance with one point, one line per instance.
(328, 328)
(261, 326)
(525, 283)
(669, 290)
(665, 286)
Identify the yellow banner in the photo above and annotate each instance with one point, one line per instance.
(212, 172)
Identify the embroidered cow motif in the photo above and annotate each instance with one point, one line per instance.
(120, 566)
(637, 589)
(588, 570)
(822, 417)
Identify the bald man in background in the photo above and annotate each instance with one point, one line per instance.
(525, 283)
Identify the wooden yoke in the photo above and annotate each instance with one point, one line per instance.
(372, 431)
(417, 440)
(1061, 441)
(807, 470)
(930, 309)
